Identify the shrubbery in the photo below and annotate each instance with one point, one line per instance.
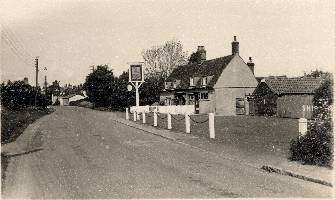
(19, 95)
(316, 147)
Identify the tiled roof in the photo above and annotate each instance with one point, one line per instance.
(293, 85)
(209, 68)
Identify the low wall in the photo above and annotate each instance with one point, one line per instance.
(189, 109)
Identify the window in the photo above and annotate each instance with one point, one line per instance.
(176, 83)
(191, 81)
(203, 96)
(168, 85)
(204, 81)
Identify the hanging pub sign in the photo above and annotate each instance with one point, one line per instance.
(136, 73)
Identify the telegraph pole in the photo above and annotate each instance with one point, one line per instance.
(45, 84)
(36, 84)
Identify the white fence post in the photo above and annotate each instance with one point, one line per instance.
(302, 126)
(143, 118)
(187, 124)
(211, 125)
(127, 114)
(169, 121)
(155, 118)
(135, 116)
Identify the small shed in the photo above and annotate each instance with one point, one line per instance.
(285, 97)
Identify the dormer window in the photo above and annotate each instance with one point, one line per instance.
(191, 81)
(176, 83)
(168, 85)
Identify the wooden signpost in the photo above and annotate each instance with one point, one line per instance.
(136, 78)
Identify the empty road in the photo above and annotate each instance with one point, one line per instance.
(82, 153)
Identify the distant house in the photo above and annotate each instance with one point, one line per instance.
(65, 100)
(219, 85)
(285, 97)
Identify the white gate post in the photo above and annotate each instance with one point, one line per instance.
(127, 114)
(187, 124)
(169, 121)
(302, 126)
(155, 119)
(135, 116)
(143, 118)
(211, 125)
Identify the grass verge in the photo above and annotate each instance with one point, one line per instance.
(13, 124)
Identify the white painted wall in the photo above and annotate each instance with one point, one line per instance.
(236, 74)
(226, 99)
(236, 81)
(207, 106)
(182, 109)
(76, 98)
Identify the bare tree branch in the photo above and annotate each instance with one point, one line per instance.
(161, 60)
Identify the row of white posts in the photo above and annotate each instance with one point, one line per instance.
(302, 123)
(187, 121)
(302, 126)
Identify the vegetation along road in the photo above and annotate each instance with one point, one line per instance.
(83, 153)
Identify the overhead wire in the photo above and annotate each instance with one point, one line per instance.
(16, 40)
(16, 45)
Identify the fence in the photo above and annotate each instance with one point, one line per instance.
(167, 117)
(184, 121)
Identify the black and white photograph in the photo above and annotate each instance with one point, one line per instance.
(167, 99)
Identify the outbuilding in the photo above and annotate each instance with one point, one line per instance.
(285, 97)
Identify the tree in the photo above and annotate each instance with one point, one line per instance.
(150, 90)
(122, 97)
(318, 74)
(54, 88)
(195, 57)
(100, 86)
(161, 60)
(17, 95)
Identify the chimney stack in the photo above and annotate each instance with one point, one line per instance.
(25, 80)
(251, 65)
(235, 46)
(202, 51)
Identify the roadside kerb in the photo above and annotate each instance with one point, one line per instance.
(271, 169)
(265, 167)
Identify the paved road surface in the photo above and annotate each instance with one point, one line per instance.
(82, 153)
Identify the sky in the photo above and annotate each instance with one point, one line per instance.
(283, 37)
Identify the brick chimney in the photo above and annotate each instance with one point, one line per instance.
(251, 65)
(202, 51)
(235, 46)
(25, 80)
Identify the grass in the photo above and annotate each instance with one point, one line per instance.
(253, 134)
(13, 124)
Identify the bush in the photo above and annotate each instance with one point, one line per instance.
(57, 103)
(316, 147)
(18, 95)
(76, 103)
(86, 104)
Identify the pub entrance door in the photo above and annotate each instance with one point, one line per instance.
(196, 103)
